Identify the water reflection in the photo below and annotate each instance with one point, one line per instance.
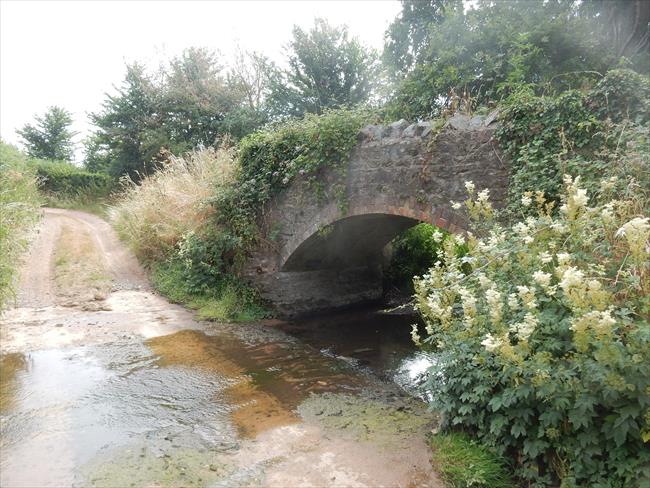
(371, 339)
(11, 365)
(267, 380)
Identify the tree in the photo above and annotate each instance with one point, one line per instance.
(51, 137)
(488, 52)
(327, 69)
(128, 131)
(249, 80)
(408, 35)
(624, 25)
(190, 101)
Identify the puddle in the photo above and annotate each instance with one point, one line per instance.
(267, 380)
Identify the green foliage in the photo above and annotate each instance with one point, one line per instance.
(51, 138)
(413, 253)
(326, 70)
(621, 95)
(483, 55)
(407, 38)
(584, 133)
(543, 338)
(464, 463)
(189, 103)
(226, 300)
(61, 182)
(272, 159)
(19, 202)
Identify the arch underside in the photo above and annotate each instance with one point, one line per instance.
(351, 242)
(338, 266)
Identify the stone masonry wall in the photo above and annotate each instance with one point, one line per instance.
(411, 171)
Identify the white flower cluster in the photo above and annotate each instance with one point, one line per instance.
(637, 235)
(499, 291)
(577, 199)
(492, 343)
(525, 328)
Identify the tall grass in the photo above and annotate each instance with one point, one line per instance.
(19, 202)
(169, 220)
(153, 215)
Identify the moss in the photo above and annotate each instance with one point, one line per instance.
(140, 466)
(366, 418)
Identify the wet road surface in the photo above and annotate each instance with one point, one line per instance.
(104, 383)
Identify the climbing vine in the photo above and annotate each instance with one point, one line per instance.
(270, 160)
(587, 133)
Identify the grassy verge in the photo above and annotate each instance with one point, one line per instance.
(231, 302)
(464, 463)
(168, 220)
(19, 201)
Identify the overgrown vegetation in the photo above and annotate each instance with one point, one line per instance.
(587, 133)
(19, 202)
(194, 220)
(169, 223)
(465, 463)
(543, 338)
(444, 56)
(270, 160)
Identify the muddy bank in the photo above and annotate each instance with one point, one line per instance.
(129, 390)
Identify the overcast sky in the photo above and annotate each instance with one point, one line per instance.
(69, 53)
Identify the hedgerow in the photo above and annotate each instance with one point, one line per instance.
(543, 337)
(61, 182)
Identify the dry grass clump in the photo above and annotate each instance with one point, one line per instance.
(153, 215)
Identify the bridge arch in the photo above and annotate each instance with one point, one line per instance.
(319, 254)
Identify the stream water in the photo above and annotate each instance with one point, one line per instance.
(190, 407)
(371, 340)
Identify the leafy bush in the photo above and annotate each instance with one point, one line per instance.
(582, 133)
(227, 299)
(63, 182)
(464, 463)
(543, 334)
(413, 253)
(19, 201)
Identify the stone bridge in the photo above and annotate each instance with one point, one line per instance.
(319, 254)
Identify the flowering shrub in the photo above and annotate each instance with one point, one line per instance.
(543, 335)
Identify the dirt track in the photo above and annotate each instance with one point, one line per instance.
(105, 383)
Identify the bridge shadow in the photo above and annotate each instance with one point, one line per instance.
(339, 266)
(350, 242)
